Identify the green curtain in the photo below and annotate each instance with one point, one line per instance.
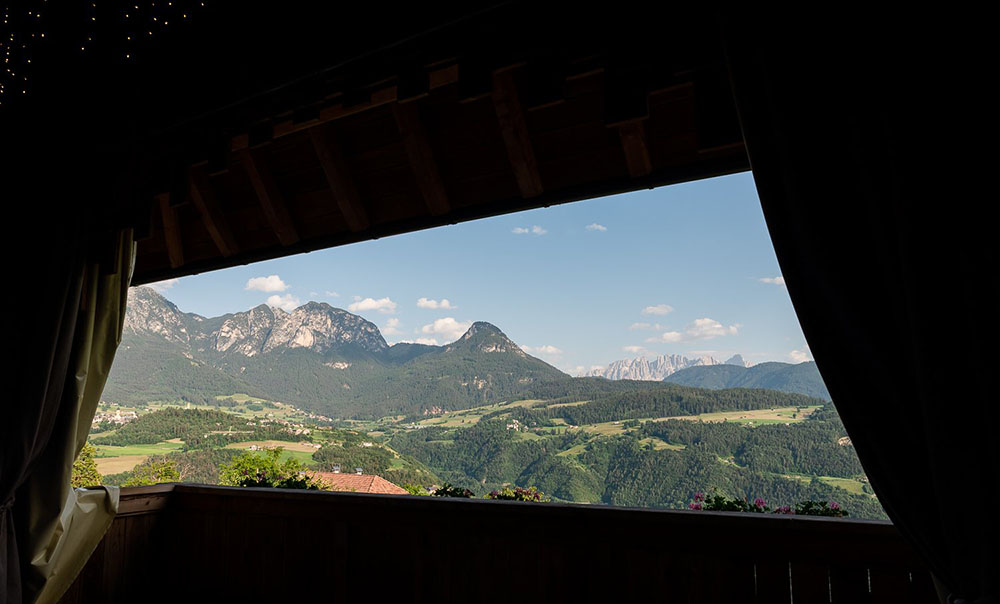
(63, 525)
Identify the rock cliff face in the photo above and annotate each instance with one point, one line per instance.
(150, 313)
(657, 369)
(738, 360)
(316, 326)
(319, 357)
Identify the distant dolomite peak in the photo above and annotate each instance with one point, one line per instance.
(657, 369)
(738, 360)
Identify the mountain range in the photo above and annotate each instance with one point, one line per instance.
(802, 378)
(709, 372)
(335, 363)
(659, 368)
(318, 357)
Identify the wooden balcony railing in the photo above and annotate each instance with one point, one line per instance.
(190, 543)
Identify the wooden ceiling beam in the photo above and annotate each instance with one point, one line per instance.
(272, 202)
(633, 137)
(421, 156)
(338, 176)
(204, 198)
(171, 231)
(514, 130)
(437, 78)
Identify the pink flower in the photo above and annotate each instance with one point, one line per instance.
(834, 505)
(759, 502)
(694, 506)
(783, 510)
(699, 496)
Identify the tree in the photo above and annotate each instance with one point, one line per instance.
(85, 472)
(153, 472)
(253, 470)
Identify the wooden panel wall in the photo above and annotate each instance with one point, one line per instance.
(221, 544)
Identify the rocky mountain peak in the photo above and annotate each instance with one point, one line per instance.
(148, 312)
(320, 327)
(485, 337)
(738, 360)
(657, 369)
(314, 325)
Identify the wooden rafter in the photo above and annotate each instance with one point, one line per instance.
(272, 202)
(514, 130)
(338, 176)
(633, 137)
(171, 231)
(421, 156)
(203, 196)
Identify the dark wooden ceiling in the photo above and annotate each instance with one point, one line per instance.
(255, 135)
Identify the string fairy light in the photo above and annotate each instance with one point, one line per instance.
(127, 29)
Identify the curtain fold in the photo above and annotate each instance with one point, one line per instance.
(889, 262)
(48, 530)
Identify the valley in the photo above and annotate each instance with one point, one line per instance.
(478, 413)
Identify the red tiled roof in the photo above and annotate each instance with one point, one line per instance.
(358, 483)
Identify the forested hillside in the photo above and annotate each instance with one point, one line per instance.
(479, 413)
(803, 378)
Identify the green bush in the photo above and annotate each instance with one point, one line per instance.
(518, 494)
(252, 470)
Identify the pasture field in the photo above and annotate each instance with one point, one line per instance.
(288, 446)
(573, 451)
(155, 449)
(115, 465)
(112, 460)
(573, 404)
(778, 415)
(851, 485)
(468, 417)
(660, 444)
(605, 428)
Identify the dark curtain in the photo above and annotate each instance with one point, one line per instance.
(68, 290)
(43, 337)
(862, 131)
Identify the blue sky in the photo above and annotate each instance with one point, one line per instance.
(687, 269)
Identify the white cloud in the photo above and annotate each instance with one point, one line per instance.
(434, 304)
(800, 356)
(425, 341)
(668, 337)
(641, 326)
(659, 309)
(534, 230)
(547, 350)
(288, 302)
(163, 286)
(635, 349)
(271, 283)
(448, 328)
(699, 329)
(332, 294)
(391, 327)
(779, 280)
(705, 329)
(596, 227)
(383, 305)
